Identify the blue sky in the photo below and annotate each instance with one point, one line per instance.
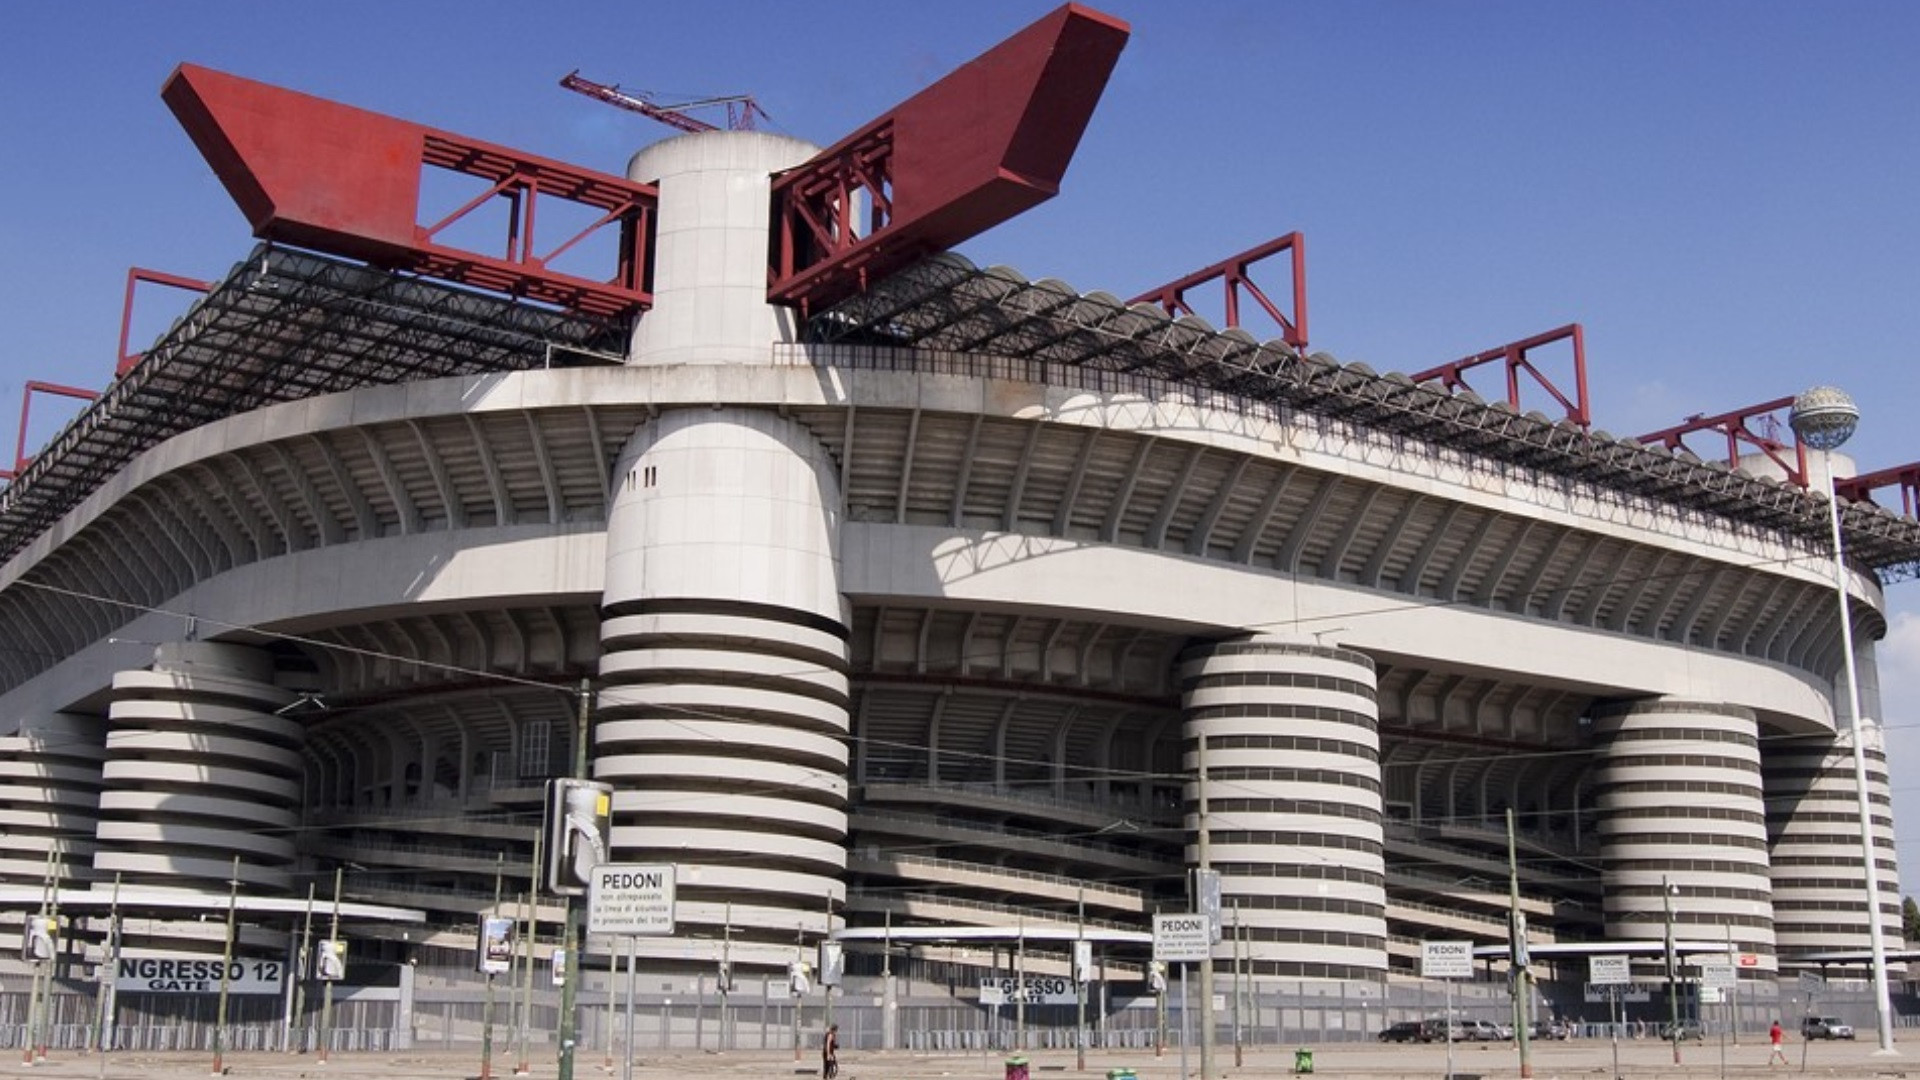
(1722, 193)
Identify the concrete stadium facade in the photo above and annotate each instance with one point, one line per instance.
(925, 612)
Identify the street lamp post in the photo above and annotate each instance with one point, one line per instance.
(1824, 418)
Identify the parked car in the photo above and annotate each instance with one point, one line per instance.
(1551, 1029)
(1404, 1031)
(1483, 1031)
(1825, 1027)
(1685, 1031)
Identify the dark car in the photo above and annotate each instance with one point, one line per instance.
(1684, 1031)
(1404, 1031)
(1825, 1027)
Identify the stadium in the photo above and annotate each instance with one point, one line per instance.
(939, 612)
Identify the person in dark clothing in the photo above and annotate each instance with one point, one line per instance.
(830, 1053)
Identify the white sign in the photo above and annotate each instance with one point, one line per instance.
(1719, 976)
(197, 975)
(1629, 992)
(1446, 959)
(1712, 995)
(1608, 971)
(1811, 983)
(630, 898)
(1036, 989)
(1182, 938)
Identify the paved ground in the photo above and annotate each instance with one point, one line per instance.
(1582, 1059)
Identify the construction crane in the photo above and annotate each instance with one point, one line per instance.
(741, 109)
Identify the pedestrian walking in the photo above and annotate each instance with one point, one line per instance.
(1774, 1035)
(830, 1053)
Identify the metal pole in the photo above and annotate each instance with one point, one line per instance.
(576, 968)
(486, 1017)
(302, 965)
(1449, 1023)
(533, 931)
(793, 991)
(1239, 1057)
(1202, 853)
(726, 978)
(1673, 985)
(1613, 1016)
(1882, 996)
(633, 958)
(826, 934)
(110, 956)
(613, 986)
(1517, 955)
(1020, 989)
(33, 993)
(226, 967)
(326, 988)
(1079, 985)
(46, 995)
(1186, 1009)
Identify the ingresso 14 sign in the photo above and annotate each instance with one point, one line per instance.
(196, 975)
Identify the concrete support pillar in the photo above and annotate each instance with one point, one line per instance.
(1293, 754)
(1679, 798)
(723, 714)
(1813, 824)
(50, 797)
(200, 768)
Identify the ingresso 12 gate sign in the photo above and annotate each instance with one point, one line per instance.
(196, 975)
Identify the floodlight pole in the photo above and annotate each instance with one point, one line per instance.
(1824, 418)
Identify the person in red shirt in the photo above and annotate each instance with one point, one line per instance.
(1774, 1035)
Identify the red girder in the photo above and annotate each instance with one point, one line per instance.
(125, 361)
(1516, 360)
(318, 174)
(1232, 273)
(1861, 488)
(1734, 427)
(980, 146)
(20, 458)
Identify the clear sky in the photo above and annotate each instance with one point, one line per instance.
(1721, 191)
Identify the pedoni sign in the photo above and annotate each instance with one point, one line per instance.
(196, 975)
(1446, 959)
(1184, 938)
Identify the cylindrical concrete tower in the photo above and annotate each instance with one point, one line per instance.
(1819, 886)
(1680, 801)
(200, 769)
(1293, 807)
(710, 249)
(50, 799)
(723, 716)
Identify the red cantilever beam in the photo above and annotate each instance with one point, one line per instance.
(1734, 427)
(1516, 359)
(327, 176)
(1232, 273)
(980, 146)
(20, 458)
(1861, 488)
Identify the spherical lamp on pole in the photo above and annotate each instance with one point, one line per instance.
(1824, 418)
